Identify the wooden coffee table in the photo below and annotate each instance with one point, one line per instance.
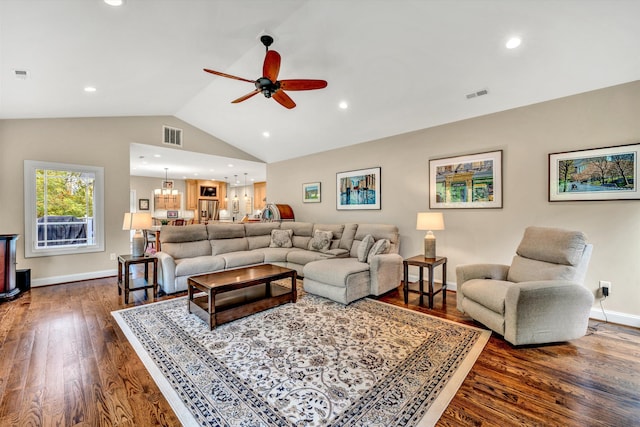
(232, 294)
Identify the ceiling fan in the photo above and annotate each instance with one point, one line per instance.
(268, 84)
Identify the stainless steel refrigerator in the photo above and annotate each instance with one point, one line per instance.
(208, 211)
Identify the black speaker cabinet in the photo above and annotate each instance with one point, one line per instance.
(23, 279)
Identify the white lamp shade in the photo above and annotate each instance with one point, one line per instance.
(137, 221)
(430, 221)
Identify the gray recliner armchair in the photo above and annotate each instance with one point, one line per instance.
(540, 297)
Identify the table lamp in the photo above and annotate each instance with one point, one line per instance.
(430, 221)
(137, 221)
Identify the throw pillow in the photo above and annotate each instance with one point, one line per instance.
(281, 239)
(380, 247)
(365, 247)
(321, 241)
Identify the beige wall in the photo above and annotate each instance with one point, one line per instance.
(595, 119)
(87, 141)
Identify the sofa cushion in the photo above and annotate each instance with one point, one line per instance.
(302, 232)
(275, 254)
(260, 228)
(199, 265)
(178, 234)
(552, 245)
(225, 230)
(487, 292)
(242, 259)
(336, 231)
(303, 257)
(187, 249)
(378, 231)
(526, 270)
(364, 247)
(334, 271)
(222, 246)
(321, 241)
(257, 242)
(281, 239)
(379, 247)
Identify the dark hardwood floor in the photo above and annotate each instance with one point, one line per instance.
(65, 362)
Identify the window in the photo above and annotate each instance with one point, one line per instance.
(63, 207)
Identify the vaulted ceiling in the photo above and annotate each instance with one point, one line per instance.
(400, 65)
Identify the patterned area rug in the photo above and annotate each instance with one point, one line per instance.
(312, 363)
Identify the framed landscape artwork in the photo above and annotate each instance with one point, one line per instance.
(607, 173)
(311, 192)
(464, 182)
(358, 189)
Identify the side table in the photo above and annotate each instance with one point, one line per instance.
(126, 261)
(429, 263)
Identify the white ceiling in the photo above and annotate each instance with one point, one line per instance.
(401, 65)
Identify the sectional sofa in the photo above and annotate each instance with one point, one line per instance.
(343, 262)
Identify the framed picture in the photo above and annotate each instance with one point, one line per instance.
(359, 189)
(172, 214)
(167, 185)
(143, 204)
(607, 173)
(208, 191)
(311, 192)
(466, 182)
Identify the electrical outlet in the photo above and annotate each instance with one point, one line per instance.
(605, 288)
(112, 257)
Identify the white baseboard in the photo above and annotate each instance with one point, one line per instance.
(46, 281)
(615, 317)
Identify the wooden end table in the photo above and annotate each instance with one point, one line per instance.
(232, 294)
(429, 263)
(124, 282)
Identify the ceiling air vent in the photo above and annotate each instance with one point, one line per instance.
(478, 93)
(21, 74)
(172, 136)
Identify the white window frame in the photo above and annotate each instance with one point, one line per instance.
(30, 215)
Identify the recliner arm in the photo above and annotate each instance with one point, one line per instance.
(466, 272)
(385, 272)
(546, 311)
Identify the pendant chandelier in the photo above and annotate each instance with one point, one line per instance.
(166, 191)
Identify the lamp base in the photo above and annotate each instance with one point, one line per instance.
(137, 245)
(429, 247)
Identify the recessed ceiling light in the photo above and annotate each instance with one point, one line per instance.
(114, 2)
(90, 89)
(230, 165)
(157, 155)
(266, 134)
(513, 42)
(343, 105)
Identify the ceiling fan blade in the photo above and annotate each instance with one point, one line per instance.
(218, 73)
(302, 84)
(245, 97)
(283, 99)
(271, 66)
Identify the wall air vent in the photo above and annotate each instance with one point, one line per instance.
(21, 74)
(172, 136)
(478, 93)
